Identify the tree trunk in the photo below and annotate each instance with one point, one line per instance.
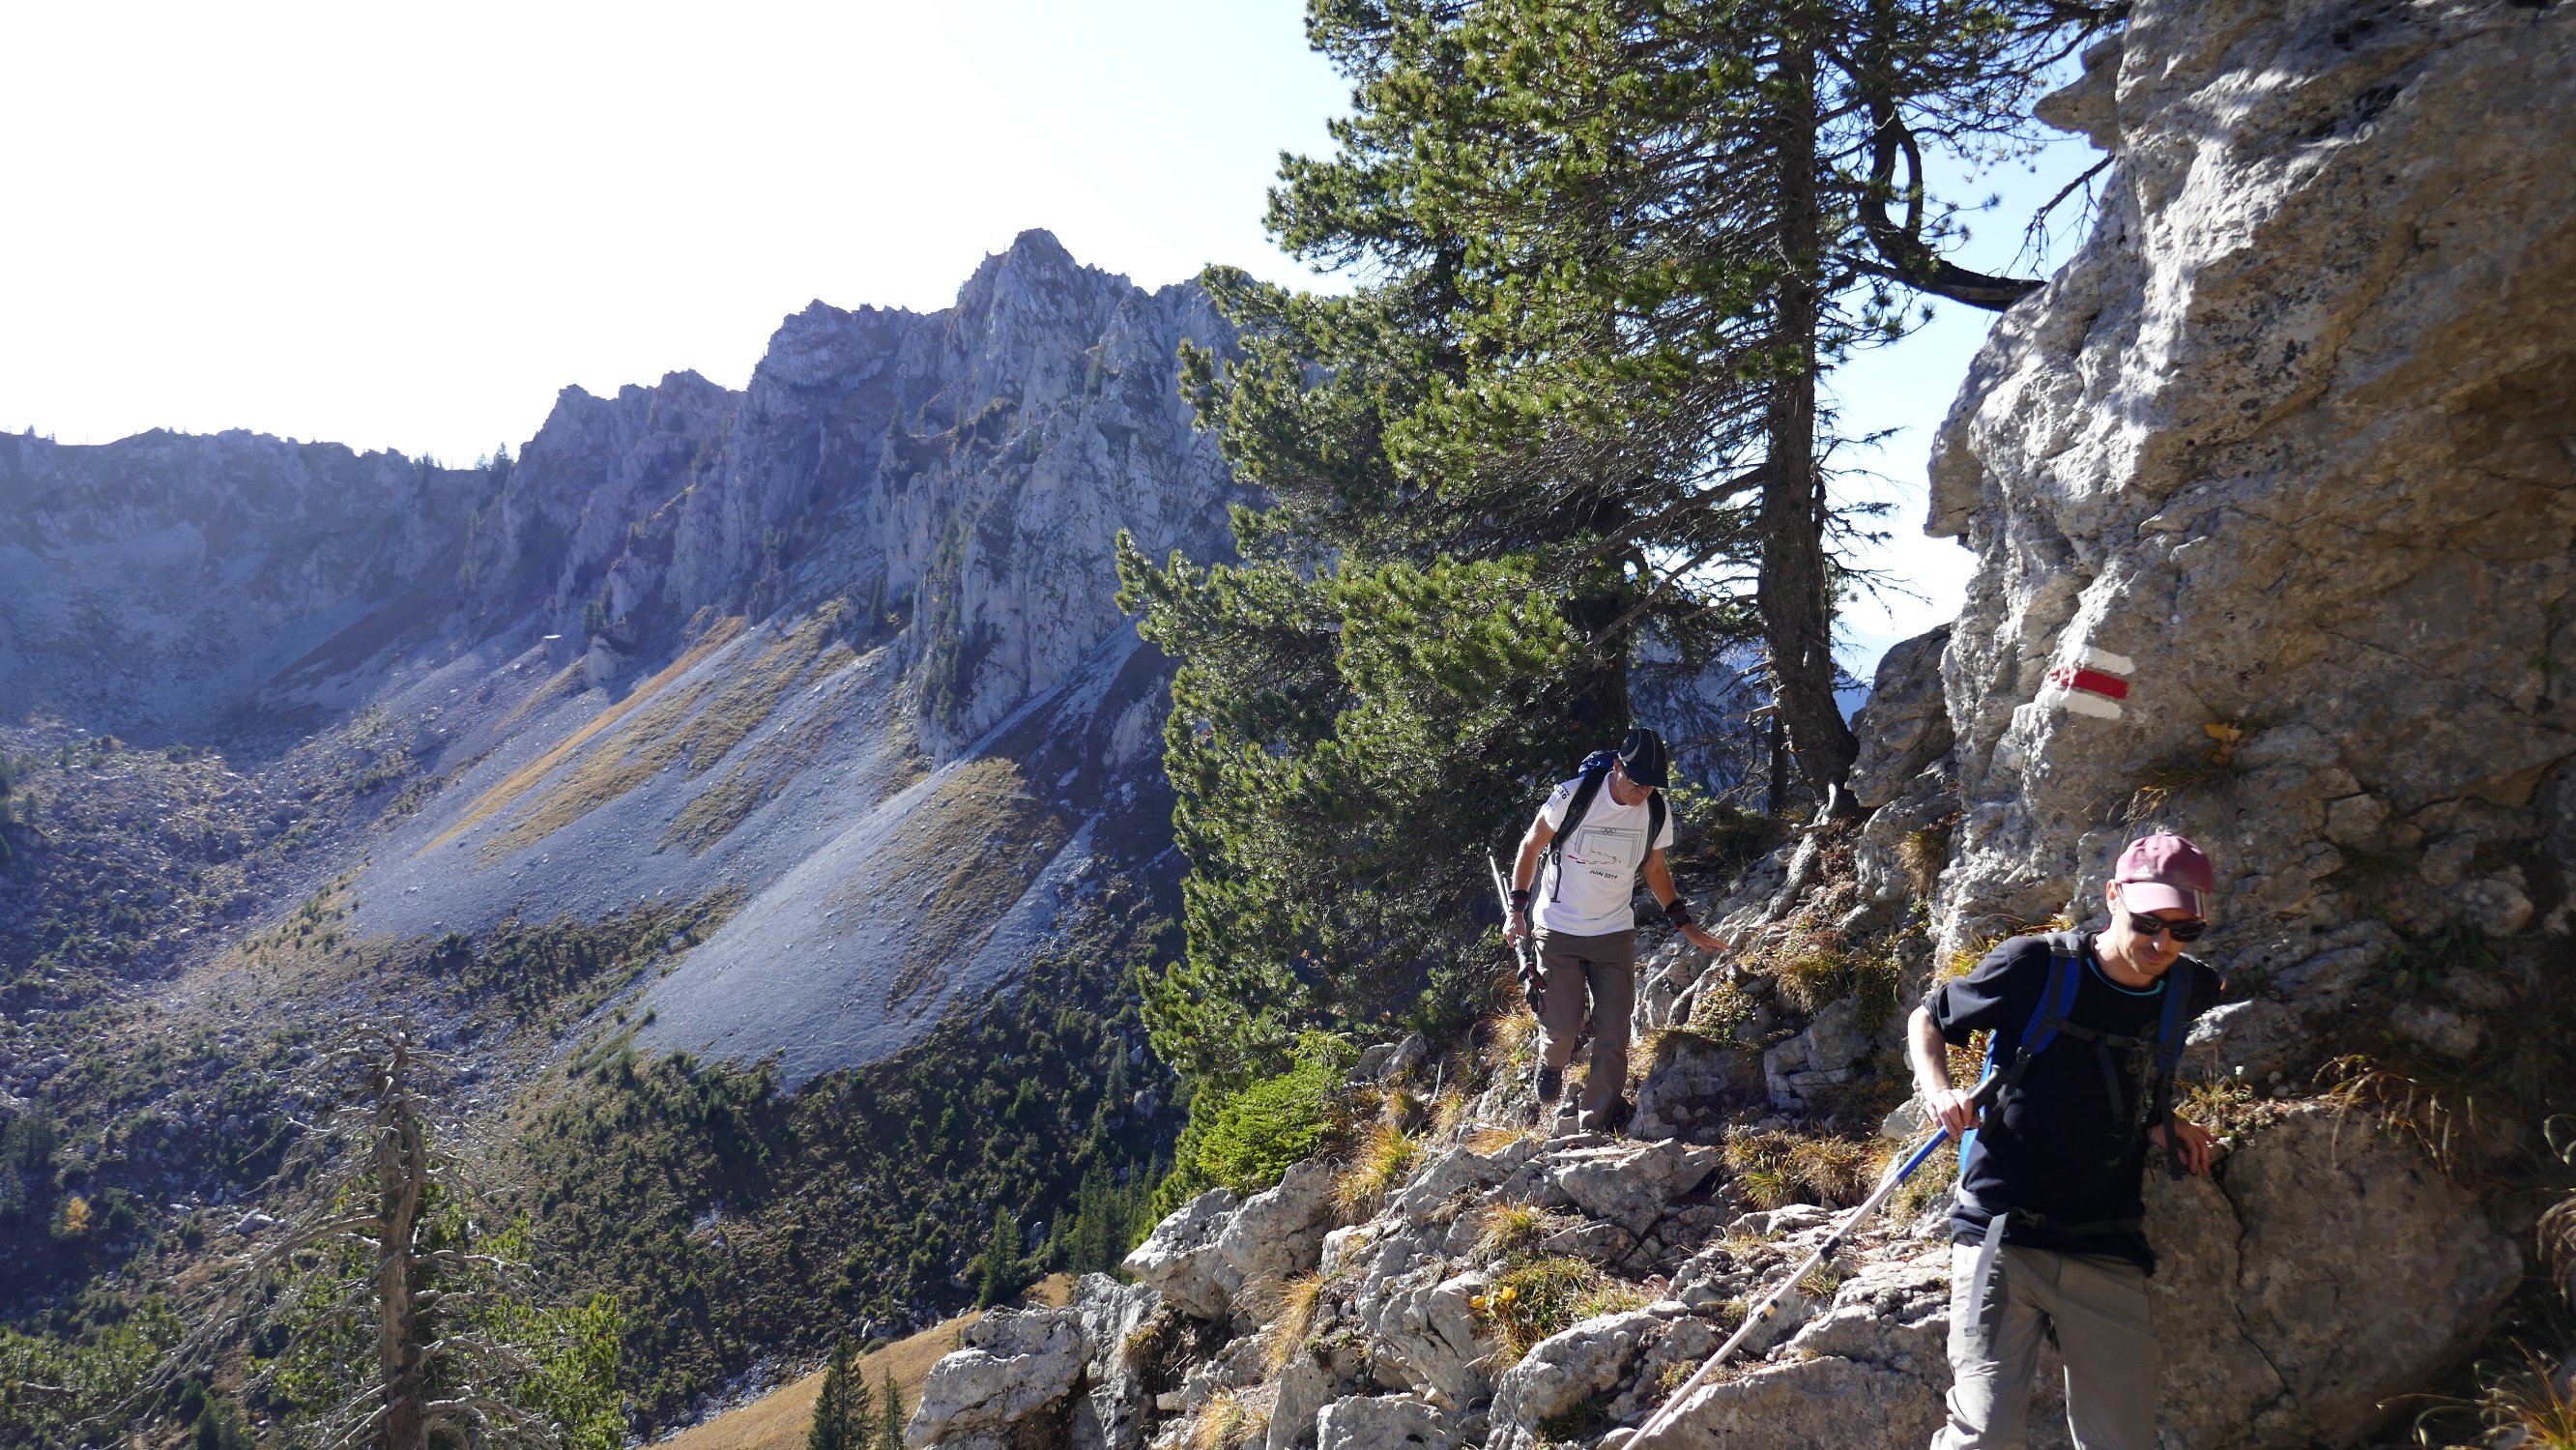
(1797, 616)
(401, 1173)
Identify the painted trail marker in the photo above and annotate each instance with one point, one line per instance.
(2094, 684)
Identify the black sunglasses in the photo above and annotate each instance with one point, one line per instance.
(2180, 930)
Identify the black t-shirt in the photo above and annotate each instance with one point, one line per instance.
(2061, 1147)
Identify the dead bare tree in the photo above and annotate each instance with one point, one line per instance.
(377, 1251)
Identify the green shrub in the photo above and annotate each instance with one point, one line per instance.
(1247, 1140)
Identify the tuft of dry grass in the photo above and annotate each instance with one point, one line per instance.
(1291, 1320)
(1923, 854)
(1489, 1141)
(1378, 1166)
(1512, 1228)
(1721, 1012)
(2444, 1108)
(2186, 772)
(1780, 1168)
(1232, 1419)
(1811, 966)
(1537, 1297)
(1511, 1040)
(1449, 1114)
(2532, 1407)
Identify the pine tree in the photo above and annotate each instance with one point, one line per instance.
(1610, 249)
(890, 1427)
(844, 1413)
(1003, 1271)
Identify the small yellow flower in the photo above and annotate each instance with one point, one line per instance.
(1508, 1295)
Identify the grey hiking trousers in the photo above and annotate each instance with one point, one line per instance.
(2099, 1306)
(1594, 976)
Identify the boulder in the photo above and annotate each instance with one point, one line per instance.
(1180, 1258)
(1885, 864)
(1017, 1364)
(1589, 1359)
(2249, 1041)
(1827, 1053)
(1280, 1230)
(1692, 1077)
(1905, 724)
(2324, 1274)
(1116, 1404)
(1304, 1388)
(1423, 1323)
(1381, 1422)
(1630, 1183)
(1458, 1171)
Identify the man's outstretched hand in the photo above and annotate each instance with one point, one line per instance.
(2190, 1139)
(1703, 940)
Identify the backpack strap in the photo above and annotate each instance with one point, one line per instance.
(2056, 999)
(1596, 769)
(1654, 824)
(2172, 1029)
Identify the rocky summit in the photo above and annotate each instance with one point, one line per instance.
(2271, 489)
(843, 637)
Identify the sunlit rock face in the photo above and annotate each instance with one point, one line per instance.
(840, 648)
(2285, 449)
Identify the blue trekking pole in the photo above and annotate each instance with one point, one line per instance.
(1656, 1423)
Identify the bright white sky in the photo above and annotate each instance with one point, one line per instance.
(407, 227)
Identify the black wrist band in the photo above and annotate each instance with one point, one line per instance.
(1677, 914)
(1520, 901)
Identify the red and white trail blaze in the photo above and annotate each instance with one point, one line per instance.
(2094, 684)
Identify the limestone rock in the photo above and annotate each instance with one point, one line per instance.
(1591, 1358)
(1630, 1183)
(2270, 453)
(1460, 1170)
(1824, 1054)
(1116, 1403)
(1016, 1364)
(1304, 1388)
(1905, 725)
(1381, 1422)
(2249, 1041)
(1181, 1260)
(2328, 1272)
(1280, 1230)
(1885, 852)
(1692, 1077)
(1428, 1329)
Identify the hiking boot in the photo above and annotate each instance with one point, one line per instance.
(1551, 1084)
(1612, 1119)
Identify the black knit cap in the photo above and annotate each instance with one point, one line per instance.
(1641, 755)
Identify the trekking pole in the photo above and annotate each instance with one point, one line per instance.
(1663, 1417)
(1531, 985)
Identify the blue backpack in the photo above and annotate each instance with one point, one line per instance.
(2048, 1024)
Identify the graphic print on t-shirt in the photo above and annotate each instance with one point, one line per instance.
(1605, 851)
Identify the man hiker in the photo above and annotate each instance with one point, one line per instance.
(2045, 1237)
(1597, 832)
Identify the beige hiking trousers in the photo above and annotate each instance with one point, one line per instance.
(1594, 978)
(2099, 1306)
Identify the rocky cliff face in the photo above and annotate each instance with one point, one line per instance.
(2285, 449)
(838, 649)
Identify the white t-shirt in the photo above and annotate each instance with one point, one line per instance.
(1599, 868)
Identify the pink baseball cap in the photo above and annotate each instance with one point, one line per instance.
(2164, 872)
